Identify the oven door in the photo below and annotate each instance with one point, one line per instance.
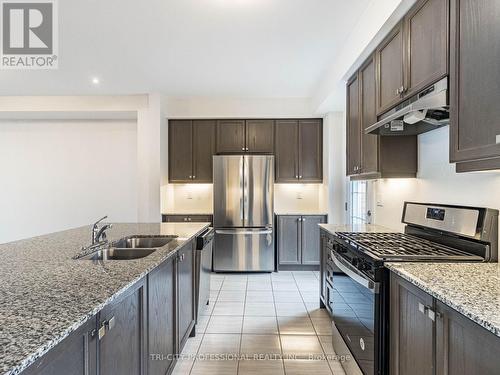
(355, 301)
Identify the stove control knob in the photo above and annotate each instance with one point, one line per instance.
(355, 262)
(363, 267)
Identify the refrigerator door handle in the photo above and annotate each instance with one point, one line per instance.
(246, 177)
(242, 184)
(237, 231)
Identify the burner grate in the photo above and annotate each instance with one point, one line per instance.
(399, 245)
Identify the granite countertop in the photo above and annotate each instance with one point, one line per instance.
(473, 289)
(333, 228)
(45, 294)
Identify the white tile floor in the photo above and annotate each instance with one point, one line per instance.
(262, 324)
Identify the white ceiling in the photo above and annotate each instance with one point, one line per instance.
(185, 48)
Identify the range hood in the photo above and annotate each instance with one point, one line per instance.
(421, 113)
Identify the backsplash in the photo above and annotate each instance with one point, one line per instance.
(197, 198)
(437, 182)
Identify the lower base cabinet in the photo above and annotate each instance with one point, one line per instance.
(299, 240)
(463, 347)
(428, 337)
(75, 355)
(138, 333)
(161, 318)
(122, 343)
(185, 294)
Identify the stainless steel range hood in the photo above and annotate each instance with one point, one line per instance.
(421, 113)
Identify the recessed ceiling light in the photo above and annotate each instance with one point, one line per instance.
(95, 81)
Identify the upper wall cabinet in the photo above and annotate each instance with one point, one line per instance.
(237, 136)
(414, 55)
(371, 156)
(299, 150)
(259, 136)
(390, 69)
(475, 84)
(191, 146)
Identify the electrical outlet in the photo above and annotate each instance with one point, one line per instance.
(299, 195)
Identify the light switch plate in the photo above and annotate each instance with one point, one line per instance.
(498, 138)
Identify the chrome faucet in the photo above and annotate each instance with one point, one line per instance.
(99, 234)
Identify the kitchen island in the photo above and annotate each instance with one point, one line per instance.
(46, 295)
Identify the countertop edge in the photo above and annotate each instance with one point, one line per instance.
(28, 361)
(429, 290)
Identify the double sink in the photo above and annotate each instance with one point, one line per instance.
(128, 248)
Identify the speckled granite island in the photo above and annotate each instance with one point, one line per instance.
(46, 295)
(472, 289)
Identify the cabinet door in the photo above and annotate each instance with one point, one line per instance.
(353, 127)
(390, 70)
(161, 315)
(122, 348)
(260, 136)
(464, 347)
(289, 239)
(369, 142)
(230, 136)
(426, 27)
(310, 151)
(286, 144)
(310, 239)
(411, 346)
(474, 79)
(180, 151)
(185, 295)
(203, 150)
(75, 355)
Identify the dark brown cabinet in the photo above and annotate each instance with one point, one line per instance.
(75, 355)
(390, 75)
(185, 294)
(191, 146)
(299, 239)
(412, 331)
(353, 126)
(426, 38)
(161, 318)
(122, 334)
(428, 337)
(462, 346)
(240, 136)
(260, 136)
(475, 84)
(371, 156)
(299, 151)
(231, 136)
(414, 55)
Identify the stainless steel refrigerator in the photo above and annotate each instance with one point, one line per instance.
(243, 213)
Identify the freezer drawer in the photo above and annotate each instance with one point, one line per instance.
(244, 249)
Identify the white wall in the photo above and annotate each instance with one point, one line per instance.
(437, 183)
(61, 174)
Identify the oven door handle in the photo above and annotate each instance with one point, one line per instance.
(354, 274)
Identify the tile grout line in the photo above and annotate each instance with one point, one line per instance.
(278, 327)
(317, 335)
(241, 329)
(209, 319)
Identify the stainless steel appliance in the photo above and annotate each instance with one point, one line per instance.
(360, 292)
(425, 111)
(203, 268)
(243, 213)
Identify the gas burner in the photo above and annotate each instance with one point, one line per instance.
(390, 246)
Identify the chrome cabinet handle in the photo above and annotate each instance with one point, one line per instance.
(300, 177)
(110, 324)
(243, 149)
(102, 331)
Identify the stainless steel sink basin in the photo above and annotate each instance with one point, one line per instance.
(119, 254)
(143, 242)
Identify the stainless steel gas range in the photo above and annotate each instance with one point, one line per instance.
(358, 283)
